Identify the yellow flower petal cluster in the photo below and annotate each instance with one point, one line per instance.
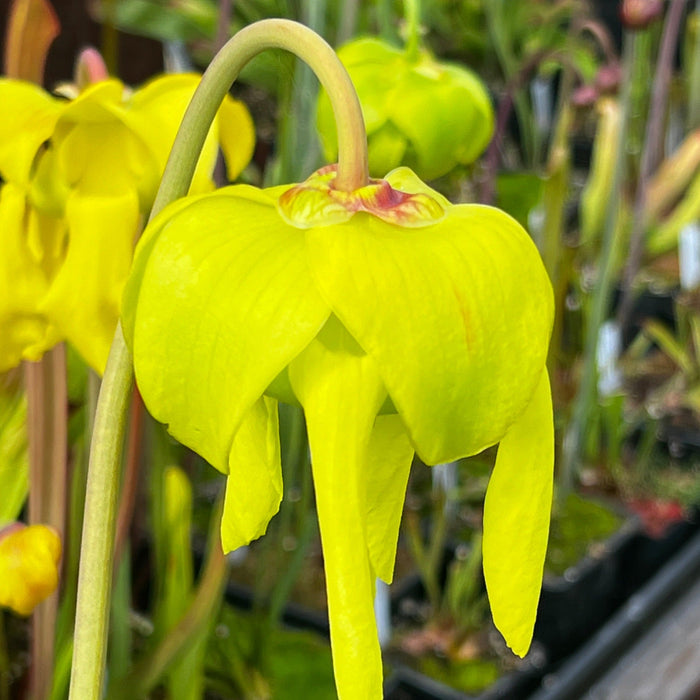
(29, 558)
(78, 178)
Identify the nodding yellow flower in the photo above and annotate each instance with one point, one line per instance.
(427, 115)
(400, 323)
(79, 176)
(29, 558)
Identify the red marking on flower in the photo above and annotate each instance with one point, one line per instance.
(316, 202)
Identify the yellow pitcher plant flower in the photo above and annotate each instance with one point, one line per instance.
(400, 323)
(428, 115)
(29, 559)
(80, 172)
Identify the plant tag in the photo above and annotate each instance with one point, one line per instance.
(689, 256)
(607, 354)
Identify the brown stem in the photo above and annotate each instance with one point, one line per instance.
(47, 420)
(652, 152)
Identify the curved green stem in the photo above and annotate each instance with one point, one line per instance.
(97, 549)
(224, 69)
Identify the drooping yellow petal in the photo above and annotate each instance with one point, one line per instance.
(341, 392)
(516, 520)
(389, 458)
(84, 298)
(459, 376)
(254, 483)
(29, 559)
(214, 318)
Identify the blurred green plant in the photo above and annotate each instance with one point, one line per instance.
(419, 112)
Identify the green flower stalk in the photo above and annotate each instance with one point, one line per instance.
(419, 112)
(596, 193)
(79, 176)
(399, 322)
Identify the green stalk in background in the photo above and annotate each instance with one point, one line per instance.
(496, 12)
(347, 23)
(694, 76)
(299, 147)
(587, 393)
(412, 14)
(188, 634)
(652, 152)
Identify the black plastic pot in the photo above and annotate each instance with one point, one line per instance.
(575, 605)
(645, 555)
(407, 684)
(585, 667)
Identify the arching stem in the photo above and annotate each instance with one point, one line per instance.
(89, 652)
(224, 69)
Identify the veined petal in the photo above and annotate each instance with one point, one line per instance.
(461, 376)
(516, 520)
(341, 393)
(83, 300)
(389, 458)
(28, 118)
(219, 306)
(254, 482)
(25, 331)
